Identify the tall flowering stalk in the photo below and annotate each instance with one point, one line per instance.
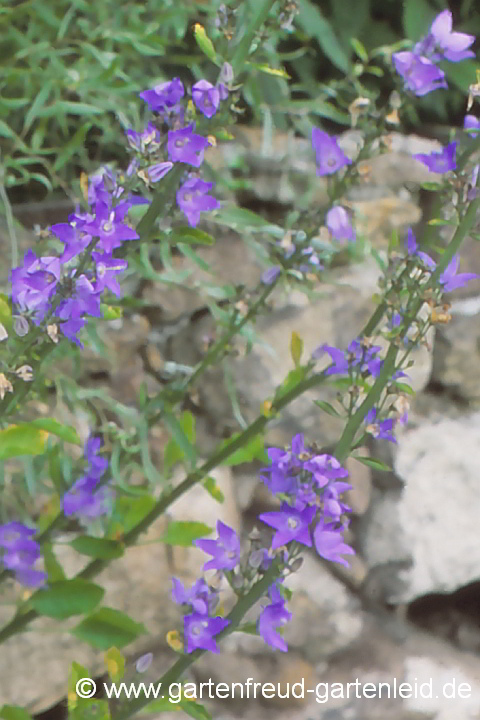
(55, 295)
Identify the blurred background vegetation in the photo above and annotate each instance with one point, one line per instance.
(71, 71)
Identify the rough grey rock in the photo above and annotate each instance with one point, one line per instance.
(431, 524)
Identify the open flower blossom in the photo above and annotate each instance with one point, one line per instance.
(306, 481)
(440, 162)
(200, 631)
(330, 157)
(330, 544)
(193, 198)
(271, 618)
(186, 146)
(85, 499)
(358, 357)
(20, 554)
(419, 69)
(442, 43)
(420, 74)
(225, 550)
(200, 597)
(339, 224)
(164, 97)
(449, 278)
(290, 524)
(383, 429)
(200, 625)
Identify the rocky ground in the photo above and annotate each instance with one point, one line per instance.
(409, 607)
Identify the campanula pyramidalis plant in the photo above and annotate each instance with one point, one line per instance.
(133, 221)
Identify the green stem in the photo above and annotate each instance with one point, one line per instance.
(234, 328)
(24, 616)
(172, 675)
(146, 224)
(342, 448)
(243, 47)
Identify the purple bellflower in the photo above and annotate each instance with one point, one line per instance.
(440, 162)
(34, 283)
(225, 550)
(186, 146)
(157, 172)
(200, 598)
(290, 524)
(272, 617)
(412, 249)
(193, 198)
(145, 141)
(74, 239)
(330, 157)
(339, 225)
(83, 498)
(110, 227)
(421, 75)
(471, 123)
(20, 553)
(165, 97)
(271, 274)
(107, 267)
(449, 278)
(200, 630)
(453, 45)
(206, 97)
(382, 430)
(329, 543)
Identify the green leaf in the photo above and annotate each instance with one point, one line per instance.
(440, 221)
(37, 105)
(97, 547)
(5, 312)
(461, 74)
(14, 712)
(64, 599)
(373, 463)
(404, 387)
(52, 566)
(359, 49)
(254, 450)
(263, 67)
(239, 218)
(326, 407)
(296, 348)
(73, 108)
(314, 24)
(195, 710)
(193, 236)
(183, 439)
(212, 488)
(65, 432)
(108, 627)
(115, 664)
(18, 440)
(128, 512)
(184, 532)
(111, 312)
(292, 379)
(204, 43)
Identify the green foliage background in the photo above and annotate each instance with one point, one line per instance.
(71, 71)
